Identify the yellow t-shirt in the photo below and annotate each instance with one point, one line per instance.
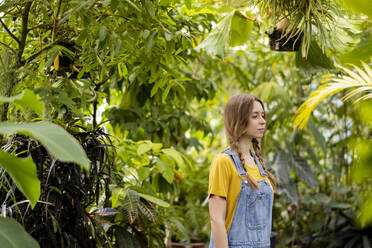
(224, 180)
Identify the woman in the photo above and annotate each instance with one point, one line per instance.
(241, 198)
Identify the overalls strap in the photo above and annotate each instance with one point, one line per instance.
(239, 165)
(235, 158)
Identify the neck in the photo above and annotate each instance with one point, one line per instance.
(245, 143)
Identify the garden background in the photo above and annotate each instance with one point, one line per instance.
(111, 112)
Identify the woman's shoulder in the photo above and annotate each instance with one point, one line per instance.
(222, 157)
(222, 160)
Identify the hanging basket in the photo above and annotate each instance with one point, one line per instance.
(279, 43)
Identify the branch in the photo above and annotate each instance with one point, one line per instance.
(33, 56)
(47, 26)
(22, 42)
(95, 103)
(55, 20)
(113, 15)
(9, 10)
(7, 46)
(8, 31)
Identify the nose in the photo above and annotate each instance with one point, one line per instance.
(262, 120)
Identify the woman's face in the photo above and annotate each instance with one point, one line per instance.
(257, 123)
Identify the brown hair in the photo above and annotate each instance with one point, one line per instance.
(236, 121)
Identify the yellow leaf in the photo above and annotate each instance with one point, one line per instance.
(56, 63)
(357, 82)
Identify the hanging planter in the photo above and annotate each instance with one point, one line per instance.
(303, 17)
(280, 42)
(285, 42)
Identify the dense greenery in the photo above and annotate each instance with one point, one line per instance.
(111, 112)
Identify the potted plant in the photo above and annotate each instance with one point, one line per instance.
(279, 40)
(298, 21)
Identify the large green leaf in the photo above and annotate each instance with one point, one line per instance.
(147, 145)
(318, 136)
(240, 30)
(362, 172)
(124, 239)
(117, 195)
(143, 173)
(285, 182)
(365, 217)
(361, 53)
(176, 156)
(361, 6)
(57, 140)
(25, 99)
(154, 200)
(301, 167)
(166, 166)
(234, 29)
(316, 60)
(130, 205)
(13, 235)
(23, 173)
(267, 91)
(218, 38)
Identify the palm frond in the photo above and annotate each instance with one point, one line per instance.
(358, 81)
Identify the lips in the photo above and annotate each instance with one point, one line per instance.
(261, 129)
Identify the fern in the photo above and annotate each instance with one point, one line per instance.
(359, 83)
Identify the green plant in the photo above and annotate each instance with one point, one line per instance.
(300, 17)
(66, 191)
(359, 83)
(12, 234)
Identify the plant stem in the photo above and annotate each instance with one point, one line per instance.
(55, 20)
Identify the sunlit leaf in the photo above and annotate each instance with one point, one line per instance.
(144, 147)
(268, 90)
(166, 167)
(365, 218)
(360, 6)
(234, 29)
(13, 235)
(175, 155)
(240, 30)
(361, 53)
(26, 99)
(360, 80)
(56, 140)
(155, 200)
(143, 173)
(23, 173)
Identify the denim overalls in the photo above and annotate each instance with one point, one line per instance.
(251, 224)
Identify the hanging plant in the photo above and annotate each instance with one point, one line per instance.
(305, 18)
(279, 41)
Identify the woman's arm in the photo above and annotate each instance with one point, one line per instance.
(217, 212)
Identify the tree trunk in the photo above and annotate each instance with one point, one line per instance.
(7, 83)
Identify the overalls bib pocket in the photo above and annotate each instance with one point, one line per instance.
(257, 211)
